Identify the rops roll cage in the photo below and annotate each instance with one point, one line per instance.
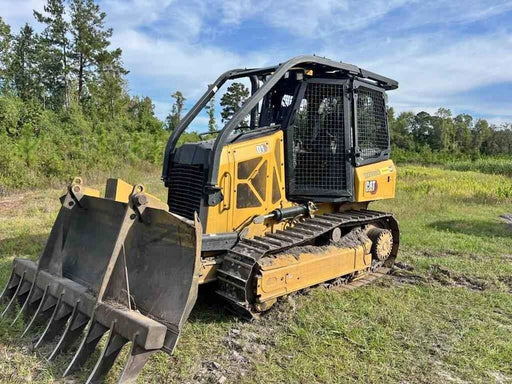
(212, 191)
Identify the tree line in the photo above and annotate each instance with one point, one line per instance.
(69, 67)
(444, 133)
(64, 104)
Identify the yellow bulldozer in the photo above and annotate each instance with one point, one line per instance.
(273, 203)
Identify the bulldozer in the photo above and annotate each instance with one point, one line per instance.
(273, 203)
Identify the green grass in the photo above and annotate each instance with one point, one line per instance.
(496, 166)
(449, 319)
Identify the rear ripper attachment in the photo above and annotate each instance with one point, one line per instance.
(121, 264)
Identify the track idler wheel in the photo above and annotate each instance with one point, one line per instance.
(382, 243)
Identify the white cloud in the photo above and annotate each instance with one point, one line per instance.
(123, 14)
(317, 19)
(188, 66)
(312, 18)
(321, 18)
(163, 66)
(178, 44)
(437, 69)
(16, 13)
(456, 11)
(499, 121)
(235, 11)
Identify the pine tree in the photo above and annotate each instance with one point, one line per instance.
(174, 118)
(5, 45)
(210, 109)
(89, 44)
(109, 90)
(23, 69)
(232, 100)
(54, 53)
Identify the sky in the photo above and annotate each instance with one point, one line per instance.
(455, 54)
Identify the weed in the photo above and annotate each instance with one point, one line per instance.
(496, 166)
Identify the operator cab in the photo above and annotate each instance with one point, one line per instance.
(333, 117)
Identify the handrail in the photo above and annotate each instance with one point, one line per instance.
(192, 113)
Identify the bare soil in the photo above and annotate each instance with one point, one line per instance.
(507, 218)
(11, 203)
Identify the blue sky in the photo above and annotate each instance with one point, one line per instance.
(455, 54)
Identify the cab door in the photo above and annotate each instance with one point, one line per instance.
(258, 179)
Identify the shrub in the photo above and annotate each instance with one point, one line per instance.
(39, 146)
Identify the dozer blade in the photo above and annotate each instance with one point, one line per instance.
(120, 265)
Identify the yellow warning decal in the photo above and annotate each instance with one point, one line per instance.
(367, 175)
(386, 170)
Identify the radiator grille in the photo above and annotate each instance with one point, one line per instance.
(318, 136)
(185, 189)
(372, 131)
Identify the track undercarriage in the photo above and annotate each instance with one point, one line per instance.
(353, 247)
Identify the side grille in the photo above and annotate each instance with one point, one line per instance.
(185, 189)
(319, 164)
(372, 130)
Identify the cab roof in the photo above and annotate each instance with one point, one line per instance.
(321, 67)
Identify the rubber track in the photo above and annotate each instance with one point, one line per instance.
(235, 274)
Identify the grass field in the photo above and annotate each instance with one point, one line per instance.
(445, 315)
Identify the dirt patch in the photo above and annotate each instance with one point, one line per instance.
(445, 375)
(441, 254)
(405, 266)
(403, 274)
(297, 251)
(112, 303)
(500, 377)
(446, 277)
(212, 372)
(247, 344)
(507, 218)
(447, 253)
(11, 203)
(507, 281)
